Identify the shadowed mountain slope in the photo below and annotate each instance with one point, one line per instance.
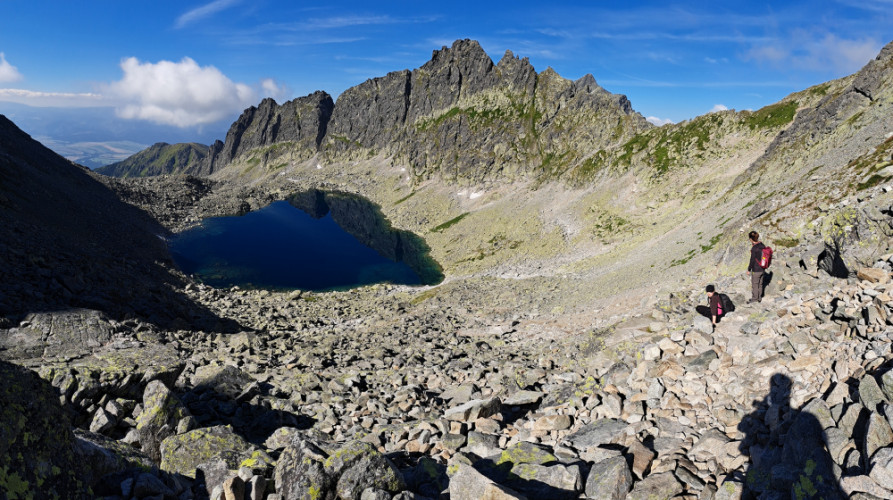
(68, 243)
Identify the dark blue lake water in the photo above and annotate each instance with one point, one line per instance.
(283, 247)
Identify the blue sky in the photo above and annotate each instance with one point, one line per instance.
(196, 65)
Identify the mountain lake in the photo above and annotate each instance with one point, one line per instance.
(299, 244)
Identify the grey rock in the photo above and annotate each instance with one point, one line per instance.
(300, 470)
(703, 324)
(661, 486)
(599, 432)
(182, 453)
(371, 470)
(158, 420)
(473, 410)
(281, 437)
(234, 488)
(527, 453)
(375, 494)
(730, 489)
(750, 328)
(468, 484)
(878, 434)
(522, 398)
(870, 394)
(881, 468)
(863, 488)
(887, 384)
(482, 445)
(255, 488)
(609, 479)
(546, 481)
(452, 441)
(147, 484)
(709, 445)
(225, 380)
(102, 421)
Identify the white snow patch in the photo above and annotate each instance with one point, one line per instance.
(475, 195)
(318, 166)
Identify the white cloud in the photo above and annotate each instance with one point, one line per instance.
(8, 72)
(178, 93)
(269, 88)
(52, 99)
(659, 121)
(204, 11)
(718, 107)
(817, 52)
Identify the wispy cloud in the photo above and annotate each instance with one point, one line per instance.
(718, 107)
(313, 31)
(817, 52)
(52, 99)
(8, 72)
(204, 11)
(879, 6)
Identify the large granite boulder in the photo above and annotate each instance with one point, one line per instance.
(162, 411)
(183, 453)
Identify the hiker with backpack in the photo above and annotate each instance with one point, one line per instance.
(760, 259)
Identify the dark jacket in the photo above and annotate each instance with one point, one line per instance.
(756, 253)
(714, 304)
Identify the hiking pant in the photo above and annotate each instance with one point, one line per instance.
(756, 281)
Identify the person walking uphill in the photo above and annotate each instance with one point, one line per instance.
(756, 268)
(716, 305)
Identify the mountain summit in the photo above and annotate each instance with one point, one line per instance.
(459, 117)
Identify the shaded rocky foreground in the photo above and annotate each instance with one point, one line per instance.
(379, 394)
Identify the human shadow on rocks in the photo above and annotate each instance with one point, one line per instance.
(786, 446)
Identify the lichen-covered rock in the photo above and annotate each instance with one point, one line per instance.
(609, 479)
(71, 332)
(301, 474)
(540, 481)
(161, 413)
(599, 432)
(662, 486)
(37, 457)
(370, 470)
(182, 453)
(225, 380)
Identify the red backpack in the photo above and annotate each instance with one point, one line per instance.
(766, 258)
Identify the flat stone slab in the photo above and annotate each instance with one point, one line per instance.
(473, 410)
(603, 431)
(522, 398)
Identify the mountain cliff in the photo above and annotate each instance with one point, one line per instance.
(159, 159)
(299, 124)
(459, 117)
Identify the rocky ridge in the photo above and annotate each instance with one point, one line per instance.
(458, 117)
(159, 159)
